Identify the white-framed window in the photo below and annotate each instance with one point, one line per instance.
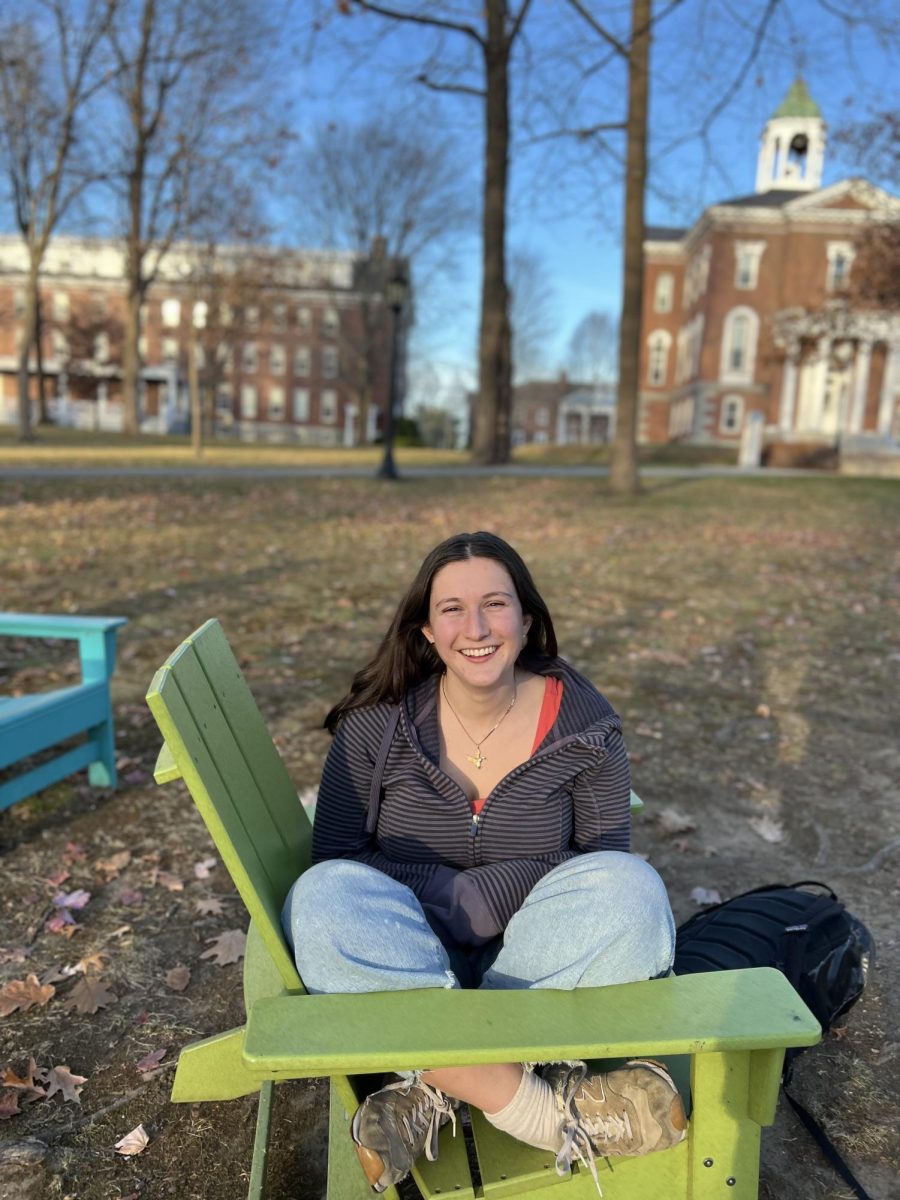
(226, 313)
(739, 336)
(542, 416)
(19, 303)
(200, 314)
(664, 292)
(101, 347)
(301, 362)
(304, 317)
(329, 362)
(170, 348)
(276, 402)
(279, 314)
(731, 414)
(747, 257)
(199, 355)
(328, 407)
(696, 277)
(330, 321)
(170, 311)
(840, 261)
(277, 360)
(143, 346)
(225, 356)
(225, 397)
(249, 358)
(60, 344)
(658, 345)
(251, 316)
(541, 437)
(60, 307)
(681, 417)
(249, 401)
(301, 405)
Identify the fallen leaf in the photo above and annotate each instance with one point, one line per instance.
(203, 869)
(227, 948)
(130, 897)
(646, 731)
(121, 931)
(58, 877)
(134, 1142)
(672, 821)
(112, 866)
(9, 1103)
(209, 906)
(166, 879)
(57, 974)
(839, 1032)
(178, 978)
(24, 994)
(763, 710)
(61, 1079)
(152, 1060)
(668, 614)
(77, 899)
(13, 954)
(89, 994)
(62, 922)
(135, 777)
(768, 828)
(74, 853)
(24, 1084)
(91, 962)
(701, 895)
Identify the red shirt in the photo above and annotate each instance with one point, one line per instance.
(553, 691)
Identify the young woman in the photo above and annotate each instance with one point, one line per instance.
(472, 830)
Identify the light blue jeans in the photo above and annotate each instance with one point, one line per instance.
(597, 919)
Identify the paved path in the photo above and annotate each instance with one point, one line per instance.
(514, 470)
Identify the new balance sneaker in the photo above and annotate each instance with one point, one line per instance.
(632, 1110)
(395, 1125)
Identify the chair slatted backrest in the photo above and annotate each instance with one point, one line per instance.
(220, 743)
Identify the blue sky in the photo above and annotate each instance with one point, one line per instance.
(565, 201)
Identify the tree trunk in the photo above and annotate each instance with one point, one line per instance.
(196, 400)
(131, 358)
(623, 473)
(39, 360)
(491, 435)
(26, 431)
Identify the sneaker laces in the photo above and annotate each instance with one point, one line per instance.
(439, 1104)
(576, 1138)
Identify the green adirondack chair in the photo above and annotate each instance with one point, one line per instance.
(732, 1027)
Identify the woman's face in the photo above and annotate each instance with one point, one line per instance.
(475, 621)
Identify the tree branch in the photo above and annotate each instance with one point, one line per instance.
(461, 88)
(420, 19)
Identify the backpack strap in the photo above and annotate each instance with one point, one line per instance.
(378, 772)
(827, 1147)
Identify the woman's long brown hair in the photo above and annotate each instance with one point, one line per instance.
(405, 658)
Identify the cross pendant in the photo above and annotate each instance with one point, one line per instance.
(477, 758)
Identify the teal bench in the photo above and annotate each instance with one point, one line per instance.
(33, 723)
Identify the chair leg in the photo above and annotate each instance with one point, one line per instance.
(102, 772)
(346, 1180)
(257, 1187)
(724, 1138)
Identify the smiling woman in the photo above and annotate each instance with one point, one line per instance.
(474, 803)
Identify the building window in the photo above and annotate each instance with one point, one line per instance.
(746, 264)
(301, 362)
(328, 408)
(277, 360)
(304, 318)
(731, 415)
(18, 303)
(224, 397)
(226, 313)
(330, 321)
(329, 362)
(200, 314)
(301, 405)
(251, 316)
(249, 402)
(658, 344)
(739, 345)
(542, 416)
(276, 403)
(840, 261)
(60, 306)
(170, 349)
(199, 356)
(248, 358)
(665, 291)
(143, 346)
(279, 315)
(171, 313)
(60, 345)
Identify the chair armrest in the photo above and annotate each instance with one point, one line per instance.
(300, 1036)
(96, 637)
(166, 768)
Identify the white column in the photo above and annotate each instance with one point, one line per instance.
(860, 386)
(585, 426)
(788, 393)
(888, 389)
(561, 426)
(349, 423)
(817, 383)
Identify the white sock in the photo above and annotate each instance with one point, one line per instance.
(532, 1115)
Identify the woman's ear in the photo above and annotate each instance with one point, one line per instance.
(427, 634)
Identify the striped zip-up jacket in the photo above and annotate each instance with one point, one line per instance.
(471, 874)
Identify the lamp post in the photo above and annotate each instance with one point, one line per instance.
(396, 293)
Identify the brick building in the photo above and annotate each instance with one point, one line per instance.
(748, 311)
(290, 345)
(561, 412)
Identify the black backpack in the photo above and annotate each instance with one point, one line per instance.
(824, 951)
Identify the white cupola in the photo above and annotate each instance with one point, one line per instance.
(792, 150)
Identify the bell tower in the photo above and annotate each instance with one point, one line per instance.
(792, 149)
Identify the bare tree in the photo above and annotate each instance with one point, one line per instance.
(493, 38)
(592, 348)
(390, 191)
(190, 124)
(531, 306)
(49, 71)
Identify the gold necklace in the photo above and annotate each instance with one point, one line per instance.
(478, 758)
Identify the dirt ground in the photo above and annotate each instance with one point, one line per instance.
(747, 631)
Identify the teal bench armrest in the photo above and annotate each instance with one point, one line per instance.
(96, 637)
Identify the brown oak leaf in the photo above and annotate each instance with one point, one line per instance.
(24, 1084)
(152, 1060)
(178, 978)
(166, 879)
(112, 866)
(91, 962)
(61, 1079)
(9, 1103)
(89, 994)
(209, 906)
(671, 821)
(24, 994)
(134, 1142)
(227, 948)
